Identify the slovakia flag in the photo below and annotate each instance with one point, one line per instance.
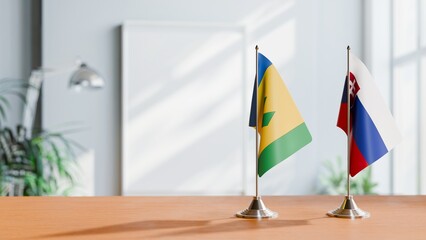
(373, 131)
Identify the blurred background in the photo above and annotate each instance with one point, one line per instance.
(172, 117)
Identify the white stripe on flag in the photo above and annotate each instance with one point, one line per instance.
(370, 97)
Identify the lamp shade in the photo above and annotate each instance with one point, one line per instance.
(86, 77)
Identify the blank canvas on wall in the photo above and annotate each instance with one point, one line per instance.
(182, 109)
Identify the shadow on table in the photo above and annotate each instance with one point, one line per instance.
(237, 225)
(196, 226)
(130, 227)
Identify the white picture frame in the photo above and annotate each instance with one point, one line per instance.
(160, 156)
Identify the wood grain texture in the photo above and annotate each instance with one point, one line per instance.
(300, 217)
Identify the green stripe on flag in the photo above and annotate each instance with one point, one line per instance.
(283, 147)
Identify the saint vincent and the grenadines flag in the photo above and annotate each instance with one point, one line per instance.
(281, 127)
(373, 131)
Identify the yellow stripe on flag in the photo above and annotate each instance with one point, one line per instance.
(274, 97)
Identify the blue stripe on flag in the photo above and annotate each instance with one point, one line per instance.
(366, 135)
(252, 119)
(345, 91)
(263, 64)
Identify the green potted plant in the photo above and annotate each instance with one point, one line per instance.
(33, 166)
(334, 176)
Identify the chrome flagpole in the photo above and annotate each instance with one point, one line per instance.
(257, 208)
(257, 122)
(348, 122)
(348, 209)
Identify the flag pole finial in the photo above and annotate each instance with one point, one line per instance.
(348, 48)
(257, 47)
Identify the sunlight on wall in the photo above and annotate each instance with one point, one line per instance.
(283, 40)
(405, 12)
(85, 174)
(205, 52)
(187, 132)
(406, 116)
(265, 13)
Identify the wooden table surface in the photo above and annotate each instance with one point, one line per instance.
(300, 217)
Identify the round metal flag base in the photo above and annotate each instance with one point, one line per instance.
(257, 209)
(349, 209)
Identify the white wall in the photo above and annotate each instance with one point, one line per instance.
(15, 48)
(339, 25)
(305, 39)
(395, 62)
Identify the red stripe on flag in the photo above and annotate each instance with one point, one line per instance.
(342, 120)
(358, 161)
